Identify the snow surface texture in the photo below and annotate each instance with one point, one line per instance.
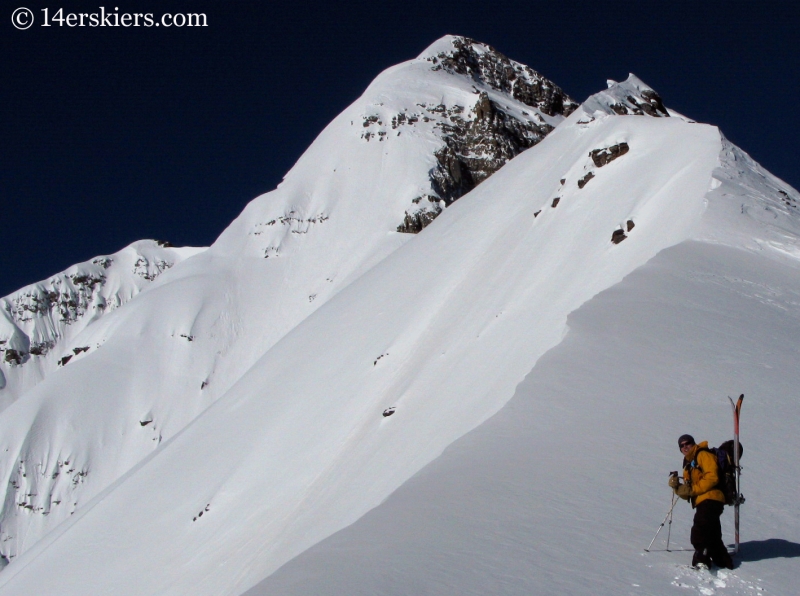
(184, 342)
(443, 329)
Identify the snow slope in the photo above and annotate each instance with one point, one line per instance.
(423, 133)
(440, 330)
(443, 330)
(39, 321)
(561, 491)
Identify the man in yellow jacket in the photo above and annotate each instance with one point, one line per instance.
(701, 477)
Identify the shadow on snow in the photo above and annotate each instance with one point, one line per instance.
(772, 548)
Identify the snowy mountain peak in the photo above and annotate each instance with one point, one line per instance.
(447, 120)
(485, 65)
(630, 97)
(38, 321)
(243, 400)
(421, 136)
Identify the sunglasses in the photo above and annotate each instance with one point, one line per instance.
(685, 444)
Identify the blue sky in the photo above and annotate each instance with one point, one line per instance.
(114, 134)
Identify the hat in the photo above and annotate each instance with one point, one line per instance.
(683, 438)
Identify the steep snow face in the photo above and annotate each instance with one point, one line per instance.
(420, 136)
(750, 208)
(424, 133)
(439, 333)
(561, 490)
(38, 322)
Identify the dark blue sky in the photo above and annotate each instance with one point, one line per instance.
(110, 135)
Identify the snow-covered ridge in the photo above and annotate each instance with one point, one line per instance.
(442, 330)
(631, 97)
(37, 321)
(750, 208)
(234, 417)
(418, 139)
(445, 129)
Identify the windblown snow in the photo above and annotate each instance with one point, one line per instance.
(278, 387)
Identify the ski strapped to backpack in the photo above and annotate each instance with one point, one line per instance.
(737, 410)
(729, 470)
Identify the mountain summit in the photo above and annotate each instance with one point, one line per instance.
(422, 135)
(270, 391)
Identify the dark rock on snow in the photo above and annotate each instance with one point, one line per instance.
(601, 157)
(414, 222)
(476, 148)
(583, 181)
(648, 102)
(494, 69)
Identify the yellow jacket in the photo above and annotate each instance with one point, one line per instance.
(701, 473)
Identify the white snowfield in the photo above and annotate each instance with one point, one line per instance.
(560, 492)
(602, 352)
(153, 366)
(39, 322)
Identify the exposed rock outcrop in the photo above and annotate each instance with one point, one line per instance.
(618, 236)
(485, 64)
(478, 141)
(476, 149)
(585, 180)
(648, 102)
(601, 157)
(631, 97)
(415, 221)
(37, 319)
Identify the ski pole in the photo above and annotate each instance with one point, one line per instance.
(668, 515)
(669, 528)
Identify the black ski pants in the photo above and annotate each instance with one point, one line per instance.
(707, 532)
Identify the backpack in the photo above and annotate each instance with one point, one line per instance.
(727, 471)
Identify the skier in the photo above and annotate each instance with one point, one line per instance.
(700, 472)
